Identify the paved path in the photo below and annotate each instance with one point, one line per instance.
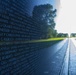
(59, 59)
(52, 58)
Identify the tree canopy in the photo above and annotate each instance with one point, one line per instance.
(62, 35)
(44, 15)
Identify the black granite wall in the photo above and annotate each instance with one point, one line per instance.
(16, 27)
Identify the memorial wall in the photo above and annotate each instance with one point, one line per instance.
(18, 57)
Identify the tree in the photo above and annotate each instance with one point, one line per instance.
(44, 15)
(73, 34)
(62, 35)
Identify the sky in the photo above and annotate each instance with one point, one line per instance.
(66, 16)
(39, 2)
(66, 19)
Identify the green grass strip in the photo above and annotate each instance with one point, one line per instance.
(31, 41)
(47, 40)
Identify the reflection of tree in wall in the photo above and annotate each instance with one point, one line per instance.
(44, 15)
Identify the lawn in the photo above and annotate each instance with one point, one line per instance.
(31, 41)
(46, 40)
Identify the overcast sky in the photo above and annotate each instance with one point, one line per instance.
(66, 20)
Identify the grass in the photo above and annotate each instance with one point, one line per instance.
(46, 40)
(31, 41)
